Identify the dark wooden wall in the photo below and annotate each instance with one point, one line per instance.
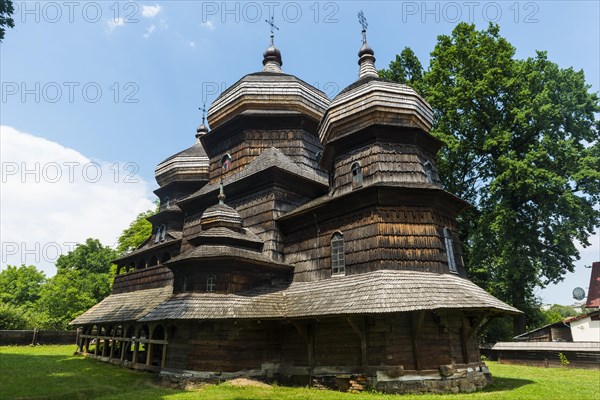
(443, 338)
(147, 278)
(383, 162)
(243, 147)
(225, 346)
(409, 238)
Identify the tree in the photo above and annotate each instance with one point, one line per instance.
(91, 256)
(522, 147)
(405, 69)
(6, 11)
(12, 317)
(84, 277)
(138, 231)
(21, 286)
(557, 313)
(69, 294)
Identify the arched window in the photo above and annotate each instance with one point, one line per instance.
(211, 283)
(226, 162)
(357, 178)
(428, 169)
(167, 201)
(450, 250)
(142, 264)
(157, 235)
(338, 265)
(153, 261)
(163, 232)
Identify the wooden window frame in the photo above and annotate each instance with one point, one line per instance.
(449, 245)
(338, 256)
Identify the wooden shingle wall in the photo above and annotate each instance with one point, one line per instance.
(384, 162)
(377, 238)
(243, 147)
(147, 278)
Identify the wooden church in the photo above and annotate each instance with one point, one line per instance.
(303, 240)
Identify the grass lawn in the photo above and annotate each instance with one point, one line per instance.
(52, 372)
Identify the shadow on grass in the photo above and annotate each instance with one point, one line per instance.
(501, 384)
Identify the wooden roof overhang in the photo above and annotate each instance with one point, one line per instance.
(377, 292)
(415, 195)
(211, 254)
(135, 254)
(164, 215)
(227, 237)
(241, 184)
(389, 133)
(257, 120)
(180, 186)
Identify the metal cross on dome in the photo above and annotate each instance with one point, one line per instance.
(271, 22)
(203, 109)
(363, 20)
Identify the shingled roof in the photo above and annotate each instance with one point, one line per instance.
(374, 292)
(124, 307)
(270, 158)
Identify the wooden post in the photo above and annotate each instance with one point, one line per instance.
(163, 360)
(136, 346)
(124, 345)
(311, 328)
(149, 347)
(417, 322)
(464, 343)
(360, 331)
(308, 334)
(35, 337)
(112, 345)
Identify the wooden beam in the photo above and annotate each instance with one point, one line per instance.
(417, 322)
(302, 330)
(360, 331)
(464, 342)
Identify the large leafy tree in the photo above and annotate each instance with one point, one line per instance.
(522, 146)
(21, 286)
(91, 256)
(135, 234)
(6, 11)
(84, 277)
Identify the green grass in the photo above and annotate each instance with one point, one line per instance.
(52, 372)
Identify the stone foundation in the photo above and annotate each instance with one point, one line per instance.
(448, 379)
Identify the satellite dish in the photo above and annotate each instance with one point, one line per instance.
(578, 293)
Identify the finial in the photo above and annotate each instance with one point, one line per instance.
(366, 55)
(363, 21)
(202, 129)
(272, 56)
(271, 22)
(221, 195)
(225, 165)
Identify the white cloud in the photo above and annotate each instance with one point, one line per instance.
(149, 31)
(150, 11)
(53, 197)
(192, 44)
(163, 24)
(112, 24)
(209, 25)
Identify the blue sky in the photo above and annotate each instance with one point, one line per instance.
(120, 83)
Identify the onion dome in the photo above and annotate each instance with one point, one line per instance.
(272, 59)
(188, 165)
(373, 101)
(269, 90)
